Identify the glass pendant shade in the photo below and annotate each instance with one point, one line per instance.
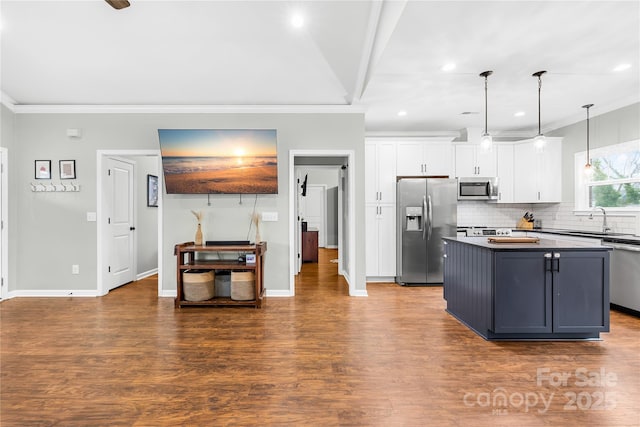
(486, 142)
(588, 170)
(539, 142)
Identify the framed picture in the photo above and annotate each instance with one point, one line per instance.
(43, 169)
(67, 169)
(152, 191)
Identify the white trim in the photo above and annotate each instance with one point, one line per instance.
(351, 170)
(277, 293)
(101, 155)
(168, 294)
(8, 102)
(188, 109)
(331, 246)
(4, 235)
(359, 293)
(41, 293)
(427, 135)
(380, 279)
(146, 274)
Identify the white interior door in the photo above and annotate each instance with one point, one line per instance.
(315, 211)
(119, 210)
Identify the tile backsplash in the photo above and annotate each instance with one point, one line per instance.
(553, 215)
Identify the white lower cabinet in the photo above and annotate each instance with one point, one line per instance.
(381, 240)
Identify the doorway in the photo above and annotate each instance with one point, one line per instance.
(343, 161)
(112, 257)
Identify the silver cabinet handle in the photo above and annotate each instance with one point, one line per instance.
(424, 212)
(429, 216)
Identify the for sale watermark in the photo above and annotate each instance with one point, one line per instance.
(578, 390)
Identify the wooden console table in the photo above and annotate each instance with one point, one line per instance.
(186, 260)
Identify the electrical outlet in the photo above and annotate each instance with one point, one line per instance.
(75, 269)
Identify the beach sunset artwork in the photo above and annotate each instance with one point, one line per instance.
(219, 161)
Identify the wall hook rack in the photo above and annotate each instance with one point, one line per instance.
(38, 187)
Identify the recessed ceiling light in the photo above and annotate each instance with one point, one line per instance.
(519, 114)
(297, 20)
(402, 113)
(449, 67)
(622, 67)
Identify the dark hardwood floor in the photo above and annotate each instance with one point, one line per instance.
(322, 358)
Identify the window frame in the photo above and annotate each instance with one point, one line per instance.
(582, 184)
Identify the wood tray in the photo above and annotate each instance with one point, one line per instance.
(513, 240)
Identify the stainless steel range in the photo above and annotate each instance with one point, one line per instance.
(485, 231)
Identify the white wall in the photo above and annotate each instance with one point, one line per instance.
(146, 217)
(55, 224)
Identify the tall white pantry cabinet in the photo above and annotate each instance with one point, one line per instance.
(380, 209)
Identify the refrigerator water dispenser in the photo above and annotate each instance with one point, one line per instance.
(413, 218)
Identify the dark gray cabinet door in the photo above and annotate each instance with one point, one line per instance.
(581, 291)
(522, 293)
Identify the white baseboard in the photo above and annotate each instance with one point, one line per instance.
(331, 246)
(359, 293)
(53, 293)
(168, 294)
(146, 274)
(375, 279)
(278, 293)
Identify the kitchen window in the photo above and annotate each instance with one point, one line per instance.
(615, 182)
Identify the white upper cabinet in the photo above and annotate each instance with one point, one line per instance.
(433, 157)
(504, 167)
(380, 172)
(538, 175)
(471, 160)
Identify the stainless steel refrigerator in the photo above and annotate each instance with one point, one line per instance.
(427, 211)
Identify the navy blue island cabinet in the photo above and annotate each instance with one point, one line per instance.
(549, 290)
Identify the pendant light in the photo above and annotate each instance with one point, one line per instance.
(588, 170)
(539, 141)
(486, 142)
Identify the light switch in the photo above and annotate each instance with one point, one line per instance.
(92, 217)
(269, 216)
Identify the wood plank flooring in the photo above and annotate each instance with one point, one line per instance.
(322, 358)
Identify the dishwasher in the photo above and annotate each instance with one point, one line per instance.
(624, 287)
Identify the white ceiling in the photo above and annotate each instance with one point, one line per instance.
(378, 57)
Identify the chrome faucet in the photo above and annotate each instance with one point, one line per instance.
(605, 227)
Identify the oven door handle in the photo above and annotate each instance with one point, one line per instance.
(622, 247)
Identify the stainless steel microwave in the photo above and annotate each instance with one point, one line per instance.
(476, 188)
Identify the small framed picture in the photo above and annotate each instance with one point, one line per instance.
(152, 191)
(43, 169)
(67, 169)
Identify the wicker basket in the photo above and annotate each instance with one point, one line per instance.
(243, 286)
(197, 285)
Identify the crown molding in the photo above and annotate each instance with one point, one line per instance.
(187, 109)
(8, 102)
(413, 134)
